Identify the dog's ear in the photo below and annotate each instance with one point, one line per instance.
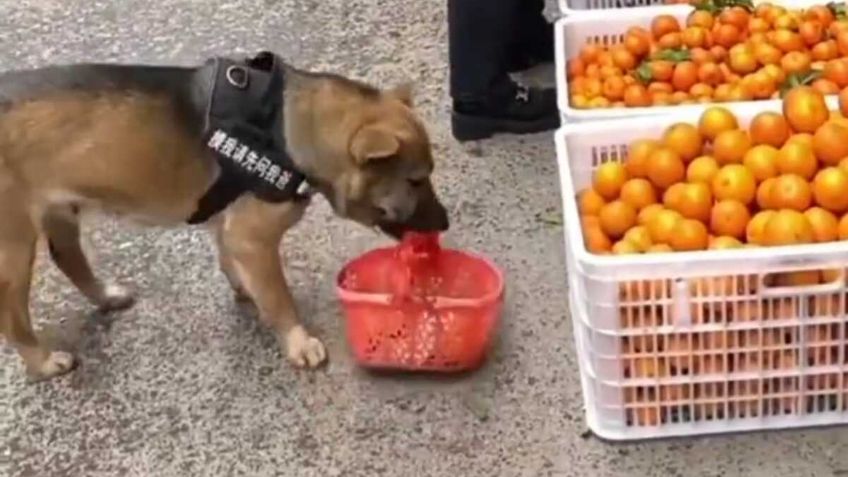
(373, 143)
(403, 93)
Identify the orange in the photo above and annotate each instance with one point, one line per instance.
(638, 43)
(764, 198)
(590, 202)
(824, 51)
(576, 67)
(701, 56)
(636, 95)
(825, 225)
(662, 225)
(805, 109)
(803, 138)
(664, 24)
(830, 189)
(742, 61)
(639, 237)
(694, 202)
(637, 157)
(734, 181)
(702, 170)
(777, 74)
(761, 161)
(622, 58)
(737, 16)
(623, 247)
(661, 70)
(700, 18)
(724, 243)
(665, 167)
(716, 120)
(613, 88)
(796, 62)
(842, 42)
(788, 227)
(672, 196)
(639, 193)
(759, 85)
(767, 54)
(825, 86)
(795, 157)
(685, 140)
(685, 75)
(608, 179)
(843, 227)
(830, 143)
(812, 32)
(726, 35)
(718, 52)
(647, 213)
(837, 71)
(596, 240)
(659, 248)
(701, 90)
(787, 41)
(843, 164)
(729, 217)
(590, 53)
(755, 231)
(821, 14)
(689, 234)
(709, 73)
(791, 191)
(616, 218)
(694, 37)
(729, 147)
(843, 102)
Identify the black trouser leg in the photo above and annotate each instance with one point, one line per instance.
(481, 33)
(536, 33)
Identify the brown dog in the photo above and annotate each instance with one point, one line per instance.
(139, 141)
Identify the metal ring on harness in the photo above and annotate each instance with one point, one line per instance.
(237, 76)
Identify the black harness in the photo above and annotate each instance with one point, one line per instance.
(244, 130)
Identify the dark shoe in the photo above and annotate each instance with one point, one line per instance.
(511, 108)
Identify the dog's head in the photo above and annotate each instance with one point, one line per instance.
(385, 180)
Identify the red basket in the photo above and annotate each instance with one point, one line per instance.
(433, 315)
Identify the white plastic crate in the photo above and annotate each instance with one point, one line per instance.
(608, 28)
(572, 7)
(683, 344)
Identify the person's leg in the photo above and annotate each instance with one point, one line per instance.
(485, 100)
(481, 33)
(536, 41)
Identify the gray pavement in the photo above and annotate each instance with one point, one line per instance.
(185, 384)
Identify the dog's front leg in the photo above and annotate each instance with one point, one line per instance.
(250, 235)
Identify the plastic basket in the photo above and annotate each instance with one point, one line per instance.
(684, 344)
(448, 332)
(608, 28)
(578, 7)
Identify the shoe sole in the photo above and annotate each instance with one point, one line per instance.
(472, 128)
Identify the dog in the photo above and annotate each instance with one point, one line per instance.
(237, 145)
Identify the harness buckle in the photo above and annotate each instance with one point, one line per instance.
(238, 76)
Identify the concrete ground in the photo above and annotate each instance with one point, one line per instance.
(184, 384)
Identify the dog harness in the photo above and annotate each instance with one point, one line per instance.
(244, 131)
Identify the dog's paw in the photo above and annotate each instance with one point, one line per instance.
(303, 350)
(57, 363)
(115, 297)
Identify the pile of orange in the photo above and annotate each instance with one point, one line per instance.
(783, 180)
(716, 55)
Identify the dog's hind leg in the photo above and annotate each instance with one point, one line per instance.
(61, 225)
(18, 237)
